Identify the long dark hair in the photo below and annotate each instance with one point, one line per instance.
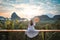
(31, 22)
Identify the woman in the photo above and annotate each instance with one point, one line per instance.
(31, 31)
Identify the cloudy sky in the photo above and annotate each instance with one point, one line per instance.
(29, 8)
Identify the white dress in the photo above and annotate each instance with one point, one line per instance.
(31, 31)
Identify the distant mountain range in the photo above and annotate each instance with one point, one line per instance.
(14, 16)
(2, 18)
(56, 17)
(45, 17)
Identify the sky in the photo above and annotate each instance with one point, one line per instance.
(29, 8)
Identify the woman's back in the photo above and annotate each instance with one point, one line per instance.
(31, 31)
(31, 27)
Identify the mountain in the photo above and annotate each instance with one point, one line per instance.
(44, 17)
(2, 18)
(14, 16)
(56, 17)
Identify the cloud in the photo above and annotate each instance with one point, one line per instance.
(36, 7)
(55, 1)
(27, 9)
